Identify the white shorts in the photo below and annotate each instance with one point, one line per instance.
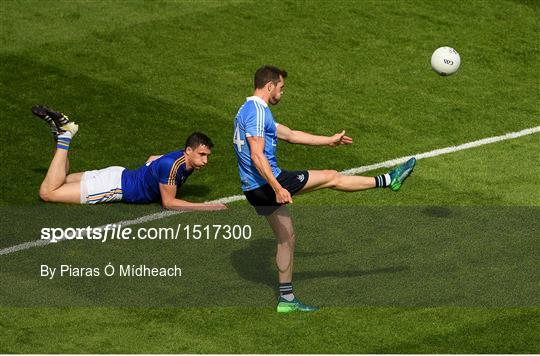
(102, 186)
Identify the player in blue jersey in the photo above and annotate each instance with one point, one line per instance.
(269, 188)
(156, 181)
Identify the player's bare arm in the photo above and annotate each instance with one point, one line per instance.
(152, 158)
(169, 201)
(303, 138)
(256, 145)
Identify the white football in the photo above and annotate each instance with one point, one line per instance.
(445, 61)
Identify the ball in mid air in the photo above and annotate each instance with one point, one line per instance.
(445, 61)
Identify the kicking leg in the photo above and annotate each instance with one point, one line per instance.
(335, 180)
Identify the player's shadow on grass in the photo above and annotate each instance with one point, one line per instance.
(256, 263)
(193, 190)
(437, 211)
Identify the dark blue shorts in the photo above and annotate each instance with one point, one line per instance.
(263, 198)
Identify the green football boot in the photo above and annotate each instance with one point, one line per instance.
(284, 306)
(400, 173)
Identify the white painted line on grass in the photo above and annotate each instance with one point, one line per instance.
(443, 151)
(233, 198)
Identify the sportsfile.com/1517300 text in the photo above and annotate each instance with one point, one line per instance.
(111, 232)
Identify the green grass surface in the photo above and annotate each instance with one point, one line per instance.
(363, 67)
(448, 264)
(260, 330)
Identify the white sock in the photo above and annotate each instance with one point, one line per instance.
(66, 134)
(387, 179)
(288, 297)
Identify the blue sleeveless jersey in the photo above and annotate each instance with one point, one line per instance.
(254, 119)
(141, 185)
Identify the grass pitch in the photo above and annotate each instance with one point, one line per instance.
(446, 265)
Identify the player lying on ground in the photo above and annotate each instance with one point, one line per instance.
(268, 188)
(156, 181)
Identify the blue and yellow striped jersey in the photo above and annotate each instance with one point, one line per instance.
(142, 184)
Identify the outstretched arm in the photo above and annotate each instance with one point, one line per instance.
(169, 201)
(304, 138)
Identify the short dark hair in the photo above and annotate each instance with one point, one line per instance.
(197, 139)
(267, 74)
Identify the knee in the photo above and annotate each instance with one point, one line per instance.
(46, 195)
(292, 240)
(332, 177)
(289, 240)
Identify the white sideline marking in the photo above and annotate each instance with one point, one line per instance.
(442, 151)
(233, 198)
